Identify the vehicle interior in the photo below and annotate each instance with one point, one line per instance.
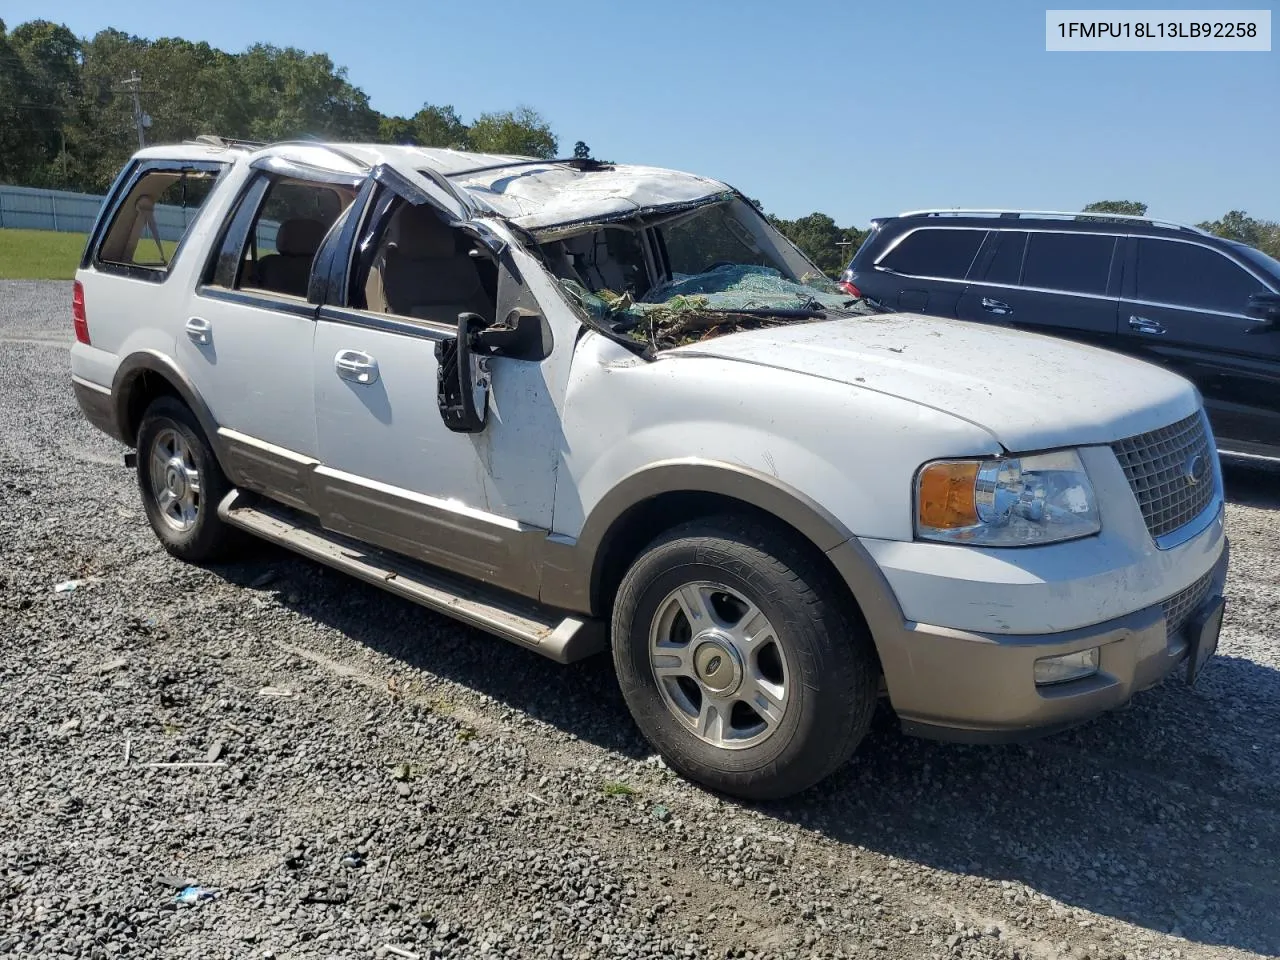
(154, 216)
(423, 268)
(287, 231)
(639, 257)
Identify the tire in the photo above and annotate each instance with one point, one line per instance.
(170, 441)
(792, 695)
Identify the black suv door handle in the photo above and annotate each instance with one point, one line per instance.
(998, 307)
(1143, 325)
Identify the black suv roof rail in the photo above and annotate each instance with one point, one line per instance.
(1055, 215)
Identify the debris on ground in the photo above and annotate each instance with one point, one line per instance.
(194, 896)
(282, 692)
(66, 586)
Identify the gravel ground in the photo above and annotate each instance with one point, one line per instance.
(389, 779)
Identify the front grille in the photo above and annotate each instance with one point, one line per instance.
(1179, 608)
(1159, 464)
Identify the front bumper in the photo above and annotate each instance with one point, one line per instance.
(975, 687)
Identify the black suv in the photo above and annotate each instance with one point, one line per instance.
(1164, 292)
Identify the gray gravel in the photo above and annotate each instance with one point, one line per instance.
(388, 778)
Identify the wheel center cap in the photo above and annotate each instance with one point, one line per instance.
(717, 665)
(175, 478)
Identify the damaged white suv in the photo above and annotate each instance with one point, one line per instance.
(587, 406)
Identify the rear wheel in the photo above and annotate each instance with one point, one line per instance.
(740, 660)
(181, 483)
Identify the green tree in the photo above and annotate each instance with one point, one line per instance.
(19, 119)
(523, 132)
(1238, 225)
(439, 127)
(1125, 208)
(829, 246)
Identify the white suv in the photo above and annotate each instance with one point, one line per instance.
(587, 406)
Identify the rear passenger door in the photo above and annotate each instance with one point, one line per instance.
(924, 272)
(246, 342)
(1184, 307)
(1061, 283)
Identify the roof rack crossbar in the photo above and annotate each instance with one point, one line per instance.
(1069, 214)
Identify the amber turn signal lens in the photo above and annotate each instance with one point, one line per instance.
(946, 495)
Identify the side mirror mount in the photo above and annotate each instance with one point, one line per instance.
(462, 377)
(523, 335)
(1266, 307)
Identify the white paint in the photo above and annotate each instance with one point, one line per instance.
(1030, 391)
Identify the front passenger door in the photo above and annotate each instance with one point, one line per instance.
(392, 473)
(1185, 309)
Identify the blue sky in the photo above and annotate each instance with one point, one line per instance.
(854, 109)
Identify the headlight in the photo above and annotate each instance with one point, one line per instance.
(1007, 502)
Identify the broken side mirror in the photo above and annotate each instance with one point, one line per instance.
(462, 377)
(523, 335)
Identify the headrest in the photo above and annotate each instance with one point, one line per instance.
(299, 238)
(422, 235)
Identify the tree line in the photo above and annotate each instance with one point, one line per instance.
(70, 109)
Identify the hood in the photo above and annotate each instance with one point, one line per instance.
(1030, 392)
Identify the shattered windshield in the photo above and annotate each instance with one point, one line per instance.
(717, 270)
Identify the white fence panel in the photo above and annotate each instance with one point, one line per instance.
(30, 208)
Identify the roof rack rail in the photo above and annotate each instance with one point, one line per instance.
(1052, 214)
(213, 140)
(581, 164)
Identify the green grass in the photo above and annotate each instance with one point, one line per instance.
(39, 254)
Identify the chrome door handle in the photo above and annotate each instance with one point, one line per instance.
(356, 366)
(1143, 325)
(199, 330)
(998, 307)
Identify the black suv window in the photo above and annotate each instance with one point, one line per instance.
(935, 252)
(1006, 263)
(1188, 275)
(1072, 262)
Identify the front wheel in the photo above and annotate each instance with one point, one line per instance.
(740, 659)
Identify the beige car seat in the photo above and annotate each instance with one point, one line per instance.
(423, 271)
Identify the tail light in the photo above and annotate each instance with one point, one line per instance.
(78, 318)
(850, 289)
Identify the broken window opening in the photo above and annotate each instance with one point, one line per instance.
(713, 271)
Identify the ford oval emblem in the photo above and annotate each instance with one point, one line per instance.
(1197, 469)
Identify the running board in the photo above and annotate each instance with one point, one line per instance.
(550, 633)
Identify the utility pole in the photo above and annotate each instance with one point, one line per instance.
(132, 84)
